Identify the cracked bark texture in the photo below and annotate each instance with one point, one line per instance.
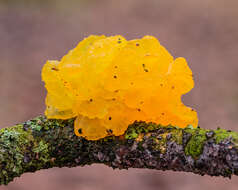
(41, 143)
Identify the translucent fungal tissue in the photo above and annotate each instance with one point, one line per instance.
(109, 82)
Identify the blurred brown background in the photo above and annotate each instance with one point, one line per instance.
(205, 32)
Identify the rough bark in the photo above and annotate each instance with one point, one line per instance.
(41, 144)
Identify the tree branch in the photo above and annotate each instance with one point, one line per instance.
(41, 143)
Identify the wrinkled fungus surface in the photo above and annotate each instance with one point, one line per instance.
(109, 82)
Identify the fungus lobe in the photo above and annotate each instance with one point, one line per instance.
(93, 83)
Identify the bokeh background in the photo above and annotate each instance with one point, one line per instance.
(205, 32)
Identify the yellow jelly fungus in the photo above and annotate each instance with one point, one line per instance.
(109, 82)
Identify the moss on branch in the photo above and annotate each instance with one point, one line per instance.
(41, 143)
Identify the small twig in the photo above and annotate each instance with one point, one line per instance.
(41, 143)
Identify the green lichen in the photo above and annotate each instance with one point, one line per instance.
(195, 145)
(177, 136)
(136, 128)
(36, 127)
(22, 144)
(131, 134)
(41, 148)
(221, 135)
(13, 142)
(168, 133)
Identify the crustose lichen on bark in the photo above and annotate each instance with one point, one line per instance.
(41, 143)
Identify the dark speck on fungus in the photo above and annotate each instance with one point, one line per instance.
(146, 70)
(109, 131)
(80, 131)
(54, 69)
